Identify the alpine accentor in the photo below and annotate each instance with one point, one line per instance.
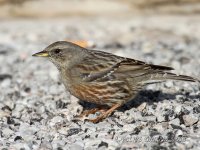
(103, 78)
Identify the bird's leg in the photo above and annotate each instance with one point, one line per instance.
(87, 112)
(92, 111)
(105, 114)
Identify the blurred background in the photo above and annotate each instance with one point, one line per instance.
(35, 110)
(59, 8)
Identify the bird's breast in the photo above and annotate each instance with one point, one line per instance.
(108, 93)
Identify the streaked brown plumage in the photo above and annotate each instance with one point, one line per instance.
(103, 78)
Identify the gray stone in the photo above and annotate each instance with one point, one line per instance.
(175, 121)
(4, 114)
(7, 132)
(190, 119)
(55, 120)
(179, 133)
(159, 127)
(27, 132)
(76, 147)
(149, 118)
(142, 106)
(178, 109)
(129, 127)
(160, 118)
(169, 84)
(6, 83)
(46, 145)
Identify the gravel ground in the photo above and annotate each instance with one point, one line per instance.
(37, 113)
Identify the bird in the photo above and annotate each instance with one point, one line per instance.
(104, 78)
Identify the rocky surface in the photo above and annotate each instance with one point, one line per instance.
(37, 113)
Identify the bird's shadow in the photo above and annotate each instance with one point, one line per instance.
(148, 96)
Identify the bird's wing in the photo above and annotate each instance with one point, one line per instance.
(100, 66)
(138, 72)
(97, 65)
(134, 68)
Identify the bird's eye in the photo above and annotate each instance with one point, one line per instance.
(57, 51)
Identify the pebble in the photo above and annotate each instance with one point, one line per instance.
(178, 109)
(46, 145)
(129, 127)
(4, 114)
(169, 84)
(92, 142)
(76, 147)
(160, 118)
(159, 127)
(56, 144)
(17, 112)
(7, 132)
(55, 120)
(190, 119)
(179, 133)
(5, 83)
(175, 121)
(142, 106)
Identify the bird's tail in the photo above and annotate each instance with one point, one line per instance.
(172, 76)
(162, 76)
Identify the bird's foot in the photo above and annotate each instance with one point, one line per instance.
(105, 114)
(91, 111)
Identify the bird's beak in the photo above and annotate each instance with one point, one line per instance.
(41, 54)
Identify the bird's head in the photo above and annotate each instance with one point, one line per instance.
(62, 53)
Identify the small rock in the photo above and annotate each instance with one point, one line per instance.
(129, 127)
(153, 132)
(190, 119)
(27, 132)
(55, 120)
(5, 83)
(4, 114)
(169, 84)
(46, 145)
(103, 144)
(53, 89)
(175, 121)
(73, 131)
(10, 104)
(177, 109)
(92, 143)
(169, 114)
(179, 133)
(149, 118)
(7, 132)
(159, 127)
(196, 109)
(180, 145)
(142, 106)
(17, 111)
(63, 130)
(57, 144)
(20, 146)
(18, 138)
(165, 124)
(136, 115)
(76, 147)
(160, 118)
